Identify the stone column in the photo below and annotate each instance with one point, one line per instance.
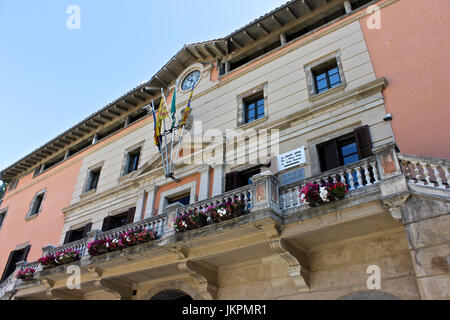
(140, 206)
(219, 173)
(347, 6)
(150, 205)
(203, 193)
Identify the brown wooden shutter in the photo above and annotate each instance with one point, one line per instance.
(363, 142)
(131, 213)
(106, 224)
(6, 271)
(68, 236)
(87, 229)
(231, 181)
(329, 156)
(24, 256)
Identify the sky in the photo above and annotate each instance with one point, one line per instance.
(53, 76)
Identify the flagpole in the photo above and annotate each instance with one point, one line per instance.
(172, 169)
(165, 133)
(159, 140)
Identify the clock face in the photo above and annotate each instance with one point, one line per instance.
(190, 80)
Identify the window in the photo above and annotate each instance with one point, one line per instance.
(78, 234)
(185, 200)
(14, 257)
(93, 177)
(2, 217)
(132, 161)
(326, 76)
(36, 204)
(237, 179)
(252, 105)
(345, 150)
(119, 220)
(254, 108)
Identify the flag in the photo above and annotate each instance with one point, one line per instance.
(187, 111)
(157, 134)
(174, 105)
(162, 114)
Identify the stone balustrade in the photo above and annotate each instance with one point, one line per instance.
(356, 175)
(425, 171)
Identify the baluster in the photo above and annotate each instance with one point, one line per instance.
(334, 177)
(437, 174)
(246, 200)
(367, 174)
(343, 179)
(291, 199)
(350, 179)
(418, 174)
(447, 175)
(359, 179)
(375, 172)
(297, 196)
(427, 173)
(405, 165)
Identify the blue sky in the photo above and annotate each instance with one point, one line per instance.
(52, 77)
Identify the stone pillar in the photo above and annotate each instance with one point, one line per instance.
(283, 40)
(348, 6)
(265, 194)
(219, 173)
(203, 193)
(139, 206)
(150, 205)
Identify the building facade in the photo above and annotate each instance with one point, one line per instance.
(299, 96)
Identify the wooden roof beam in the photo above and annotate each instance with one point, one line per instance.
(291, 13)
(277, 21)
(249, 36)
(212, 54)
(219, 49)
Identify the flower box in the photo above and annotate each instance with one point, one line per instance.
(59, 258)
(189, 221)
(26, 274)
(226, 211)
(314, 195)
(120, 242)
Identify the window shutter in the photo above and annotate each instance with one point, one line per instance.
(106, 224)
(7, 271)
(87, 229)
(329, 156)
(68, 236)
(231, 181)
(131, 213)
(363, 142)
(25, 252)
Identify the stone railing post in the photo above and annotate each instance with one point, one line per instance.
(46, 249)
(172, 213)
(92, 236)
(393, 184)
(265, 192)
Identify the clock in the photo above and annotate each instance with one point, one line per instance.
(190, 80)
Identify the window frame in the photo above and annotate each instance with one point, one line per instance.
(87, 183)
(31, 211)
(324, 62)
(3, 213)
(125, 164)
(241, 105)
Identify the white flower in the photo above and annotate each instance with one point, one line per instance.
(184, 224)
(324, 194)
(222, 212)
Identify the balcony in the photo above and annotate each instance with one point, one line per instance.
(384, 177)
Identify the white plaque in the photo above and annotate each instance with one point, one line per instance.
(291, 159)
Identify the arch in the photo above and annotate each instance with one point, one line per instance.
(369, 295)
(172, 289)
(172, 295)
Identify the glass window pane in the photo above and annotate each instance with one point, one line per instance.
(333, 71)
(321, 76)
(322, 84)
(251, 114)
(351, 159)
(349, 149)
(335, 79)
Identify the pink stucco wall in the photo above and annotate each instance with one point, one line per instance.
(412, 51)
